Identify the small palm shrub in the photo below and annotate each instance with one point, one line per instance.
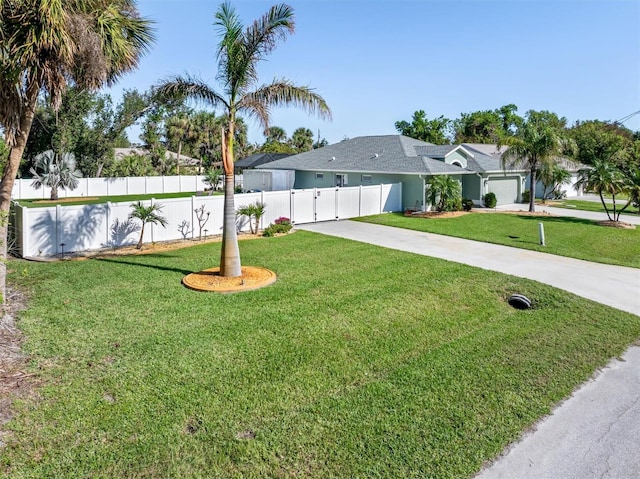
(526, 195)
(254, 213)
(279, 226)
(147, 214)
(490, 200)
(444, 193)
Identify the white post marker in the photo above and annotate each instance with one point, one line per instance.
(541, 231)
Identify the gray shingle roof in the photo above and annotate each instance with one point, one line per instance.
(369, 154)
(259, 159)
(435, 151)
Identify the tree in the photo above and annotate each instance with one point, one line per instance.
(44, 46)
(539, 140)
(146, 214)
(487, 126)
(178, 130)
(276, 134)
(302, 140)
(55, 171)
(212, 179)
(598, 140)
(553, 176)
(239, 51)
(444, 192)
(421, 128)
(604, 177)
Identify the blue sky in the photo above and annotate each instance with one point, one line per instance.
(376, 61)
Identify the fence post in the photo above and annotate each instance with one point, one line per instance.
(108, 215)
(153, 200)
(58, 235)
(359, 200)
(193, 213)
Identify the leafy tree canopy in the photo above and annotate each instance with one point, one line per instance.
(487, 126)
(421, 128)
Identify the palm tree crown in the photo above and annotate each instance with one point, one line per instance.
(239, 51)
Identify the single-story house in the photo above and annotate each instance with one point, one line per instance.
(370, 160)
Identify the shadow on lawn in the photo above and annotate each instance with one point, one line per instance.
(144, 265)
(559, 219)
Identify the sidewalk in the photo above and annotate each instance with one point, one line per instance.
(596, 432)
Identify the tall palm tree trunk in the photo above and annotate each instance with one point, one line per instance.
(8, 179)
(230, 253)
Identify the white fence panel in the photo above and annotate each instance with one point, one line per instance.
(154, 184)
(348, 202)
(370, 200)
(117, 187)
(302, 206)
(325, 204)
(40, 231)
(391, 198)
(99, 186)
(214, 205)
(278, 205)
(137, 183)
(81, 228)
(121, 230)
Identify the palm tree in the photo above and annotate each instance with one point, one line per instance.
(179, 130)
(46, 44)
(254, 212)
(443, 192)
(604, 177)
(302, 139)
(537, 141)
(553, 176)
(56, 172)
(239, 51)
(146, 214)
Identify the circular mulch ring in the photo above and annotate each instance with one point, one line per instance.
(253, 277)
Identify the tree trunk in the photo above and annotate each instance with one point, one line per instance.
(54, 193)
(9, 177)
(178, 160)
(139, 245)
(230, 253)
(532, 191)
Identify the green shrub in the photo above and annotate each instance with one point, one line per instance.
(526, 196)
(490, 200)
(279, 226)
(467, 204)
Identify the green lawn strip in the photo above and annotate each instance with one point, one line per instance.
(39, 203)
(564, 236)
(593, 206)
(358, 362)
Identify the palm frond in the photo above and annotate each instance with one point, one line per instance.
(188, 87)
(282, 93)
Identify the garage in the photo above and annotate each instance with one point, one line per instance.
(505, 188)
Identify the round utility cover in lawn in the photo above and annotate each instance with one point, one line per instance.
(519, 301)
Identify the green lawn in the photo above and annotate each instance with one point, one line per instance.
(573, 237)
(358, 362)
(593, 206)
(40, 203)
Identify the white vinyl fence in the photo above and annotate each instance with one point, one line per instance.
(53, 230)
(134, 185)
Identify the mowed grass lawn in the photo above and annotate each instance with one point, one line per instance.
(595, 206)
(358, 362)
(564, 236)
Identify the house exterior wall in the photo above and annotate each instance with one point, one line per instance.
(412, 185)
(472, 188)
(457, 157)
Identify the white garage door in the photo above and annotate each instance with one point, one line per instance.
(505, 189)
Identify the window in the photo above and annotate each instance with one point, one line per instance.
(366, 179)
(319, 176)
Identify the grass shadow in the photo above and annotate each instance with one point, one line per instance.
(558, 219)
(153, 266)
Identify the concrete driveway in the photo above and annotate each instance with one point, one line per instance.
(596, 432)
